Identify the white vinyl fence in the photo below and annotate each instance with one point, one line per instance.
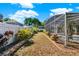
(6, 27)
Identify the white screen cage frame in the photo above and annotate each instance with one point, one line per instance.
(53, 23)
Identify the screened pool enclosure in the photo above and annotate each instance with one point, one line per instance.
(65, 25)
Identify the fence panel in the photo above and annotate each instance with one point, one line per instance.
(9, 27)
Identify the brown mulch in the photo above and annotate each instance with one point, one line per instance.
(44, 47)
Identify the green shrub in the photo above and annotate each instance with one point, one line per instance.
(24, 34)
(34, 30)
(44, 31)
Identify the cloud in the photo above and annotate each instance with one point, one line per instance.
(23, 3)
(60, 10)
(26, 5)
(21, 14)
(51, 14)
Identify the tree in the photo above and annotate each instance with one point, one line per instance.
(42, 23)
(6, 19)
(32, 21)
(28, 21)
(1, 17)
(36, 22)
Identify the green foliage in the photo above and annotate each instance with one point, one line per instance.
(24, 34)
(6, 19)
(28, 21)
(36, 22)
(34, 30)
(44, 31)
(32, 21)
(42, 23)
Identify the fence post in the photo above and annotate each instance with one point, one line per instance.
(65, 28)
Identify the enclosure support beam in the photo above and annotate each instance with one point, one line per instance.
(56, 29)
(50, 27)
(54, 25)
(65, 28)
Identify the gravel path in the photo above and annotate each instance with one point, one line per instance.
(42, 47)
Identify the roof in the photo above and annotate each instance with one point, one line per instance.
(52, 18)
(69, 15)
(14, 22)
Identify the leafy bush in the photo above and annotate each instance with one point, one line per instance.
(34, 30)
(44, 31)
(24, 34)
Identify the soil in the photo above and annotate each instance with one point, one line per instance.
(44, 46)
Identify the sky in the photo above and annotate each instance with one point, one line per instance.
(42, 11)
